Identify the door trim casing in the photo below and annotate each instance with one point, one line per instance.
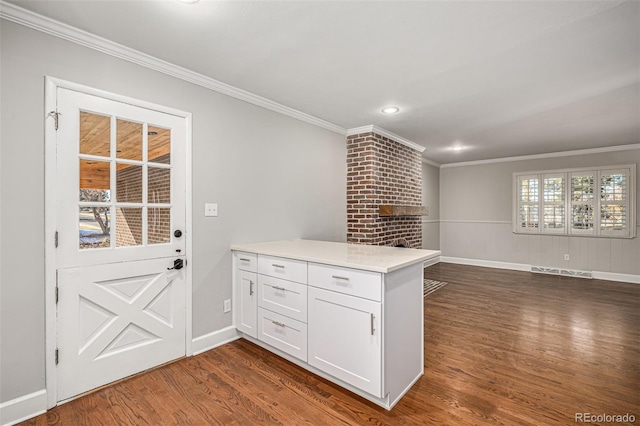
(50, 102)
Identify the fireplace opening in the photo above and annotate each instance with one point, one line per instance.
(400, 242)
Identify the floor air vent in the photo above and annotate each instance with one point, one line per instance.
(563, 272)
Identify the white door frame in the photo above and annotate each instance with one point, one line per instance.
(50, 191)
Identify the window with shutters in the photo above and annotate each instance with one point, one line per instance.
(593, 202)
(528, 196)
(553, 203)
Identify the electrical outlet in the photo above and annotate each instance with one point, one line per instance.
(566, 257)
(227, 305)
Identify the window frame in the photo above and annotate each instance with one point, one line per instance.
(629, 170)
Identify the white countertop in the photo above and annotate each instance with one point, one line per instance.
(358, 256)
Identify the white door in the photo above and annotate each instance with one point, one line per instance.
(120, 217)
(247, 306)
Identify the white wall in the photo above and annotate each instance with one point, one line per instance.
(274, 178)
(476, 208)
(431, 199)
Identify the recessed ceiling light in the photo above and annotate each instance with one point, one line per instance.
(457, 148)
(390, 110)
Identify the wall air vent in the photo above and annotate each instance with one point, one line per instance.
(562, 272)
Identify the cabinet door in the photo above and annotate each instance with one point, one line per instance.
(345, 338)
(246, 304)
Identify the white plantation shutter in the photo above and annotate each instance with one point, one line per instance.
(614, 202)
(528, 210)
(592, 202)
(553, 203)
(583, 202)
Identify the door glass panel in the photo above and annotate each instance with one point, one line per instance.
(159, 142)
(159, 186)
(129, 140)
(94, 224)
(95, 134)
(95, 181)
(159, 220)
(128, 183)
(128, 226)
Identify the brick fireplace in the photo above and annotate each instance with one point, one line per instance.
(382, 171)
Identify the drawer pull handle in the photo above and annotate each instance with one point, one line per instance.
(372, 328)
(277, 266)
(338, 277)
(279, 324)
(245, 259)
(250, 288)
(278, 288)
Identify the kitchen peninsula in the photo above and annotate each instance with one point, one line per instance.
(350, 313)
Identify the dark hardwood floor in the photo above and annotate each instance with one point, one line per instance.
(501, 348)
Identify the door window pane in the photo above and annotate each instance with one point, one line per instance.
(159, 142)
(95, 181)
(159, 186)
(159, 225)
(128, 226)
(128, 183)
(94, 224)
(95, 134)
(129, 140)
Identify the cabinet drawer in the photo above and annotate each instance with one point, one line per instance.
(354, 282)
(247, 261)
(284, 297)
(286, 269)
(283, 333)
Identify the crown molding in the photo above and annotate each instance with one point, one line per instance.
(547, 155)
(382, 132)
(431, 162)
(21, 16)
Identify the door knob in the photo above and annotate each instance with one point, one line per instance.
(177, 264)
(177, 233)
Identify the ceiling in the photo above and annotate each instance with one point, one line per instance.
(502, 79)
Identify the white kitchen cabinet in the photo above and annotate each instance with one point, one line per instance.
(345, 338)
(245, 307)
(352, 314)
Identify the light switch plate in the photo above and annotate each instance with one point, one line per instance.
(211, 209)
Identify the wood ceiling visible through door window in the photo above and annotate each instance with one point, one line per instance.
(95, 140)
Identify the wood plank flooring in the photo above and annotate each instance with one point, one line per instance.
(501, 348)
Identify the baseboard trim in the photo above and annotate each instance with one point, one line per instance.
(613, 276)
(596, 275)
(23, 408)
(213, 340)
(431, 262)
(486, 263)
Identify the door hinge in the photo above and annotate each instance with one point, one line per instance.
(57, 356)
(56, 239)
(57, 294)
(56, 116)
